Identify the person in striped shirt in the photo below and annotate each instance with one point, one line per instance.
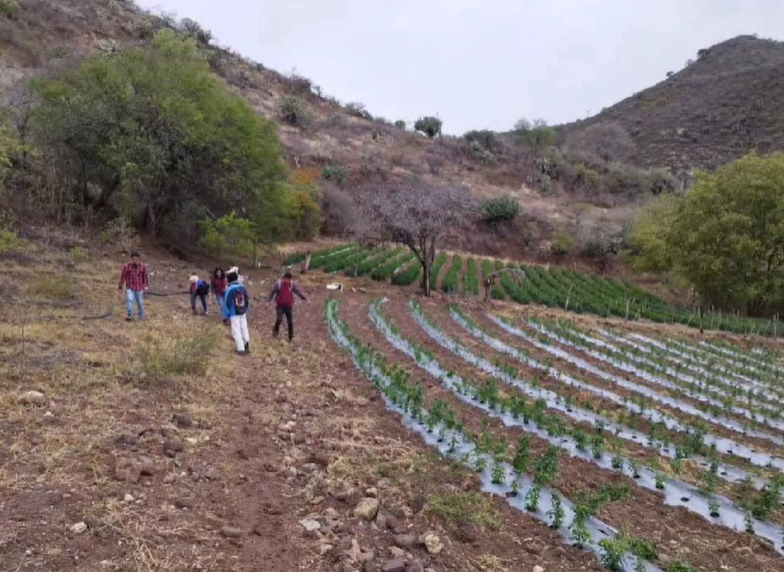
(136, 281)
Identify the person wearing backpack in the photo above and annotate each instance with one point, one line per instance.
(199, 289)
(283, 293)
(236, 306)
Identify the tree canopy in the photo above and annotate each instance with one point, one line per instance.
(149, 133)
(725, 237)
(535, 134)
(416, 216)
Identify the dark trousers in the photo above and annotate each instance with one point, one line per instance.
(202, 297)
(281, 311)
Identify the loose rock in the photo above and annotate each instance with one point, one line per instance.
(367, 508)
(432, 542)
(397, 552)
(183, 420)
(538, 568)
(310, 525)
(79, 528)
(128, 497)
(415, 566)
(406, 540)
(126, 439)
(127, 470)
(32, 397)
(146, 466)
(171, 447)
(231, 532)
(396, 565)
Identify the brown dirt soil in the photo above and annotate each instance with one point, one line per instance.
(673, 530)
(173, 462)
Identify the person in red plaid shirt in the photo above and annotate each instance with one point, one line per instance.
(136, 281)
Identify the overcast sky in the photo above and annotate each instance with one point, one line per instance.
(478, 63)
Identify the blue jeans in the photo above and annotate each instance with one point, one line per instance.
(220, 298)
(135, 296)
(196, 296)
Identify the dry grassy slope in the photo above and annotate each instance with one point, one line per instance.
(44, 32)
(49, 34)
(726, 104)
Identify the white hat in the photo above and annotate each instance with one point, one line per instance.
(194, 279)
(233, 270)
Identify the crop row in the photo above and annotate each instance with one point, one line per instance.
(533, 418)
(555, 287)
(442, 428)
(700, 441)
(715, 393)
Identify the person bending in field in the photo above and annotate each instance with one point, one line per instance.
(236, 306)
(199, 289)
(283, 294)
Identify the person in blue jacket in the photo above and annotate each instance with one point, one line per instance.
(199, 290)
(235, 310)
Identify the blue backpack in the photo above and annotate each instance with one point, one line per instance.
(202, 288)
(240, 299)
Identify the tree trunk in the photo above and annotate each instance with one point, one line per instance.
(426, 276)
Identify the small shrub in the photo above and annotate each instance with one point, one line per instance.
(157, 360)
(10, 242)
(334, 174)
(430, 126)
(79, 255)
(485, 138)
(8, 8)
(299, 85)
(119, 233)
(294, 111)
(478, 152)
(53, 288)
(562, 244)
(465, 508)
(400, 124)
(501, 210)
(358, 110)
(192, 29)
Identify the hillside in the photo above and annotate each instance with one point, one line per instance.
(723, 105)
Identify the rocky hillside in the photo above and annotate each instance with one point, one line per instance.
(41, 35)
(727, 102)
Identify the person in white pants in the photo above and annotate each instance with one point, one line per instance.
(235, 309)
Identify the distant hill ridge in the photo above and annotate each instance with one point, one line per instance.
(726, 103)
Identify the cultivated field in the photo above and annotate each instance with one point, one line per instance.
(552, 286)
(396, 433)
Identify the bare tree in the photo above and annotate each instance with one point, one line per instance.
(416, 216)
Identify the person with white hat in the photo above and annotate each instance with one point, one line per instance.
(199, 289)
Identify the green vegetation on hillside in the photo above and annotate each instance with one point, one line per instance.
(151, 135)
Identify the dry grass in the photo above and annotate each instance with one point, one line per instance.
(83, 368)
